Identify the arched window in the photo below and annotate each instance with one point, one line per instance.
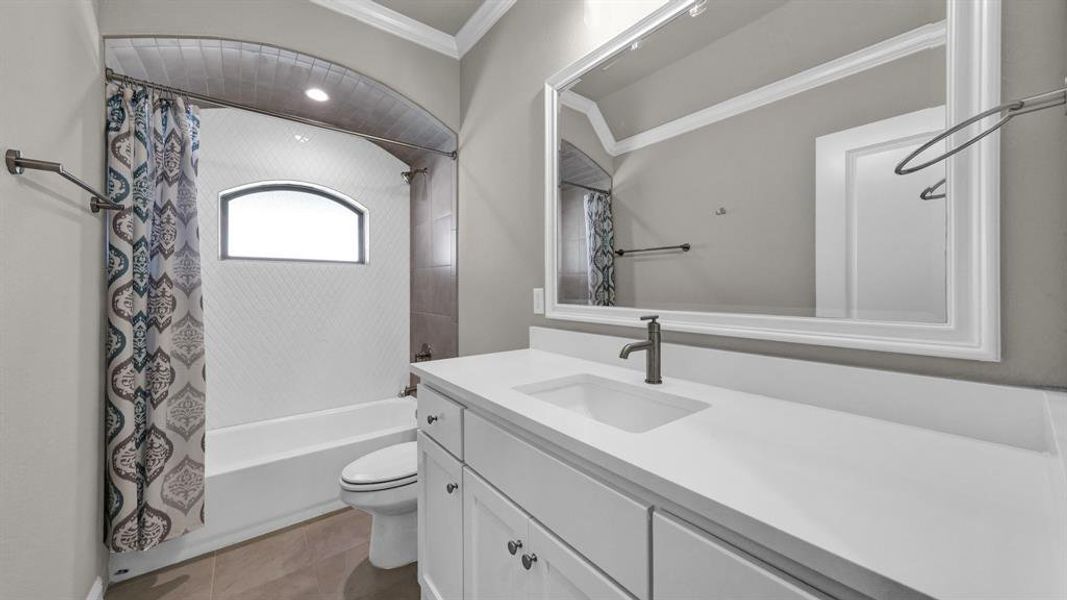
(285, 220)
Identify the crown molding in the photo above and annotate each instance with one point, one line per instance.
(921, 38)
(403, 26)
(390, 21)
(480, 23)
(591, 110)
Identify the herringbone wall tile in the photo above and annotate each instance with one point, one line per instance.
(286, 338)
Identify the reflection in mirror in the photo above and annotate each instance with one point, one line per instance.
(764, 134)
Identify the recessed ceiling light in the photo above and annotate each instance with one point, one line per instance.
(698, 9)
(316, 94)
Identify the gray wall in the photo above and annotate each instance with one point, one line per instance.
(501, 165)
(760, 256)
(428, 78)
(502, 214)
(51, 290)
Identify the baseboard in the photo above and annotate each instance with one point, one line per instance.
(96, 592)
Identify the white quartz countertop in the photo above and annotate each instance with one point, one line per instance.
(942, 514)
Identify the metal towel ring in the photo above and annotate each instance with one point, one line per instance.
(1013, 109)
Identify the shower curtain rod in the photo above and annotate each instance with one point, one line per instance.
(586, 187)
(111, 75)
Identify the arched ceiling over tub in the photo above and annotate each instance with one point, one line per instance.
(271, 78)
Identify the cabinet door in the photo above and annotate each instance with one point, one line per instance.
(561, 574)
(605, 526)
(491, 521)
(440, 522)
(689, 564)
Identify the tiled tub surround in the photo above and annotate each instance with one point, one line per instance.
(267, 475)
(321, 559)
(894, 499)
(290, 337)
(574, 247)
(433, 257)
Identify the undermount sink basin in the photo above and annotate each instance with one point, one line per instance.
(620, 405)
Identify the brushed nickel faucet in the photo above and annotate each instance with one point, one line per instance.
(651, 347)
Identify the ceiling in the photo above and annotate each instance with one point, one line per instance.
(631, 98)
(680, 37)
(576, 167)
(274, 79)
(444, 15)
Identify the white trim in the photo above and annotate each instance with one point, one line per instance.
(921, 38)
(836, 216)
(390, 21)
(403, 26)
(973, 328)
(480, 23)
(591, 110)
(96, 592)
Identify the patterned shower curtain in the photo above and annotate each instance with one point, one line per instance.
(600, 233)
(155, 334)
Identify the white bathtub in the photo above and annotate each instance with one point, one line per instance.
(267, 475)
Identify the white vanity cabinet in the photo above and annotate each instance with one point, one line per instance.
(689, 564)
(511, 521)
(494, 540)
(441, 419)
(606, 526)
(562, 574)
(508, 556)
(440, 515)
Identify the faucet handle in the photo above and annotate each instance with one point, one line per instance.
(650, 318)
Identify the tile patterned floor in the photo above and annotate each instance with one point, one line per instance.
(320, 559)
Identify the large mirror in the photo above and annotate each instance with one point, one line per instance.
(730, 165)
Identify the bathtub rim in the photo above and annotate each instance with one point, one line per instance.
(258, 460)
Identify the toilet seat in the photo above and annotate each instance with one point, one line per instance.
(375, 487)
(391, 467)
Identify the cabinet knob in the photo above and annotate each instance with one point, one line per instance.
(528, 560)
(514, 546)
(431, 419)
(451, 487)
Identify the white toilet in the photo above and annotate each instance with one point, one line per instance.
(383, 483)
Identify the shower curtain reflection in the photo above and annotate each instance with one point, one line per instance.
(600, 233)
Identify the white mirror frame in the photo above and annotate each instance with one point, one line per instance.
(972, 330)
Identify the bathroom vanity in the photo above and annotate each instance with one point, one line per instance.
(550, 476)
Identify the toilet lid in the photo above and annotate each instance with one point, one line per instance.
(396, 464)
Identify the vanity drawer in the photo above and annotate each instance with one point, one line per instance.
(441, 419)
(688, 564)
(608, 528)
